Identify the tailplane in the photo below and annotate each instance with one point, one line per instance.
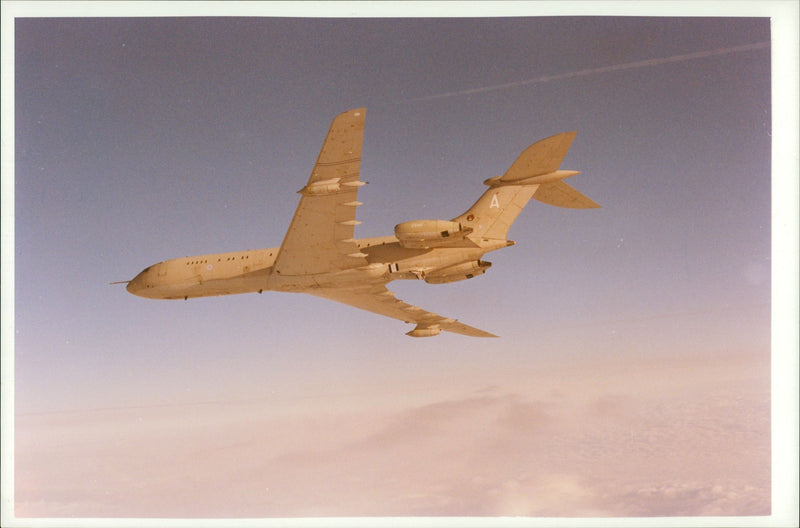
(560, 194)
(534, 174)
(541, 158)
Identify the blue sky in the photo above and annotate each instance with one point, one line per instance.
(142, 139)
(145, 140)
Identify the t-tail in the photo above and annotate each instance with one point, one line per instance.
(534, 174)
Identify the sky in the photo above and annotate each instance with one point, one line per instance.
(634, 372)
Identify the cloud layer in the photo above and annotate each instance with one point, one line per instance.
(678, 437)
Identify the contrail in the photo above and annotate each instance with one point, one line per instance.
(603, 69)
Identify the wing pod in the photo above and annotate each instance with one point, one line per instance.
(420, 234)
(425, 331)
(321, 187)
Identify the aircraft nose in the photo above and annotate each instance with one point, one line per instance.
(137, 284)
(134, 285)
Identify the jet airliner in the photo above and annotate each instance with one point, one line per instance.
(320, 256)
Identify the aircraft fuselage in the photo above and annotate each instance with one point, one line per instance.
(320, 255)
(251, 271)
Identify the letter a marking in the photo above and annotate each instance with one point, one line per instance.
(494, 203)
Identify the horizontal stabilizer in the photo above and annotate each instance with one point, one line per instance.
(560, 194)
(542, 157)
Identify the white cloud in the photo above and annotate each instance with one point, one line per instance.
(686, 437)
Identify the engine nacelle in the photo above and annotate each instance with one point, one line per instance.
(429, 233)
(463, 271)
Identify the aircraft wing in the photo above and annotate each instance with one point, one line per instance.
(320, 237)
(380, 300)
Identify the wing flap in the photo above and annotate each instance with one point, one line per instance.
(379, 300)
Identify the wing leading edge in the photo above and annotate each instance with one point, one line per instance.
(378, 299)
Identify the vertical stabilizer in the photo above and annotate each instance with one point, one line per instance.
(494, 212)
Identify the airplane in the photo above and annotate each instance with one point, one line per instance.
(320, 256)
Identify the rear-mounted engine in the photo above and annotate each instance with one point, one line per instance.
(429, 233)
(459, 272)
